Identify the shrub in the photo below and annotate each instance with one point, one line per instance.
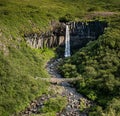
(92, 95)
(66, 18)
(83, 104)
(96, 111)
(69, 70)
(54, 105)
(90, 71)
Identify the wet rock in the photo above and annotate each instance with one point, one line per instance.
(41, 104)
(70, 93)
(34, 110)
(72, 106)
(26, 112)
(62, 115)
(68, 107)
(43, 98)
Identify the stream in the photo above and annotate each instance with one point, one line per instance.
(63, 89)
(73, 97)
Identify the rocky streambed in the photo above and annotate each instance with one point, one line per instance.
(75, 100)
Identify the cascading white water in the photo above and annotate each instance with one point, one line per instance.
(67, 42)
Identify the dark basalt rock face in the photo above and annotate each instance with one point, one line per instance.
(50, 39)
(80, 34)
(83, 32)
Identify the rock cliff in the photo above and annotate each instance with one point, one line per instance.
(52, 38)
(83, 32)
(80, 34)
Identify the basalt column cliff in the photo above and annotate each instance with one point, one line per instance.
(80, 34)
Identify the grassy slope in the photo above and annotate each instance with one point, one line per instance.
(18, 70)
(19, 63)
(19, 16)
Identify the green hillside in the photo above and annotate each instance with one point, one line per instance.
(20, 64)
(98, 64)
(20, 16)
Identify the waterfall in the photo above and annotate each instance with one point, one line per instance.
(67, 42)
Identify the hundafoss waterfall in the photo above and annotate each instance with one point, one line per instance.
(67, 42)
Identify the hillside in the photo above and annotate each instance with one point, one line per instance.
(18, 17)
(98, 64)
(20, 64)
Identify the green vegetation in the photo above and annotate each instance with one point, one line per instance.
(99, 65)
(20, 73)
(69, 70)
(20, 65)
(53, 106)
(23, 16)
(83, 104)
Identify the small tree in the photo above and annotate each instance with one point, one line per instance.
(69, 70)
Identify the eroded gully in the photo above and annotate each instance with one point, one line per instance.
(73, 97)
(63, 89)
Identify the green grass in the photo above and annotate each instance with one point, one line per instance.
(18, 72)
(18, 17)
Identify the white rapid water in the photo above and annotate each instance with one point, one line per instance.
(67, 42)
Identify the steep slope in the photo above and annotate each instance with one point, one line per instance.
(19, 68)
(98, 63)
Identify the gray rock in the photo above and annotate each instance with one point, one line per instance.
(62, 115)
(70, 93)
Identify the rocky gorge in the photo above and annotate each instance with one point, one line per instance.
(80, 34)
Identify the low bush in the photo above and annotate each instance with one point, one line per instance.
(54, 105)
